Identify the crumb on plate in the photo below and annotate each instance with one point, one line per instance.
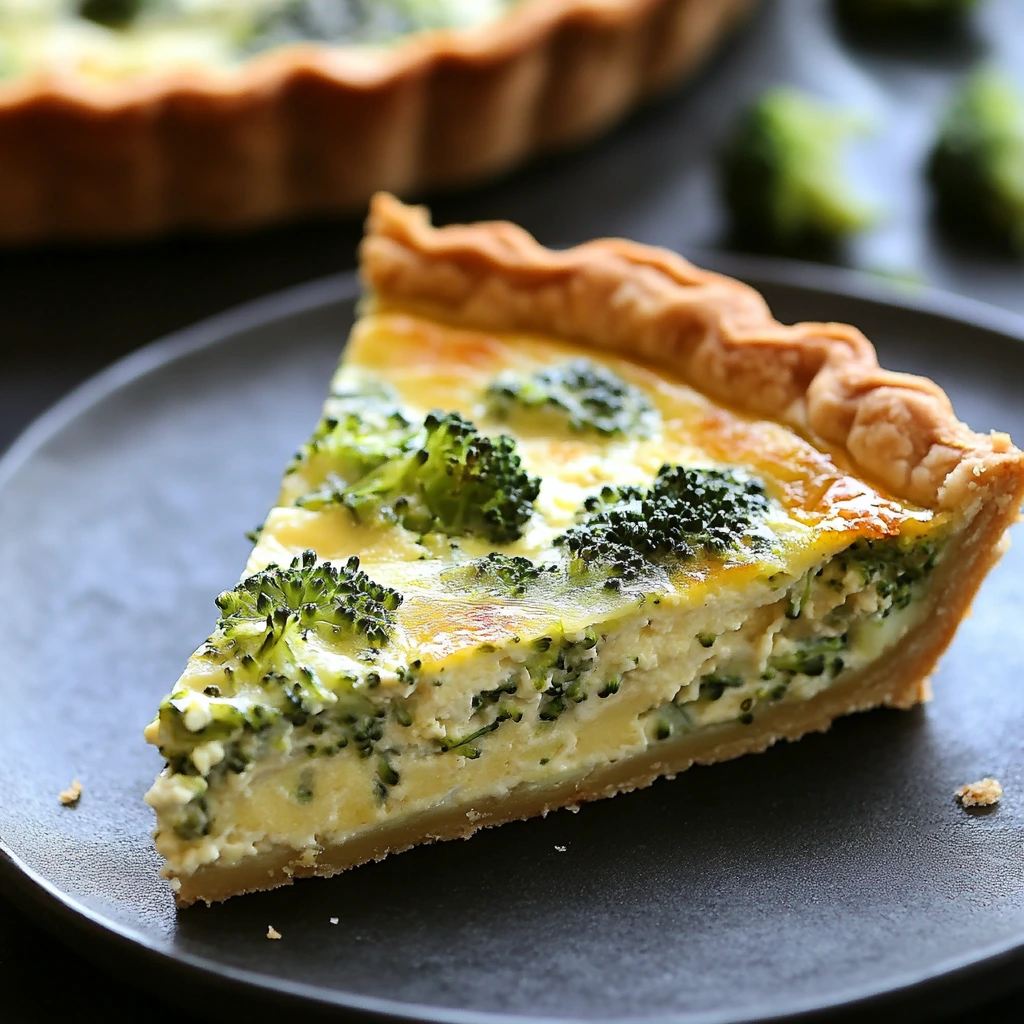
(560, 849)
(982, 793)
(70, 796)
(272, 932)
(334, 920)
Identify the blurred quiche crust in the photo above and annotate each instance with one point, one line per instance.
(92, 148)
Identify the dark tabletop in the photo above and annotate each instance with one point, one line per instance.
(67, 312)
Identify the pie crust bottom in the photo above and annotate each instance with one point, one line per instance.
(899, 679)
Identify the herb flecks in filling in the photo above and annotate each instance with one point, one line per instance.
(558, 673)
(580, 394)
(826, 623)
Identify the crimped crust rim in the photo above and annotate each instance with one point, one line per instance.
(358, 68)
(821, 379)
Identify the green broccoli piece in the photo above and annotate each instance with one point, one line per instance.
(903, 17)
(685, 513)
(463, 744)
(111, 13)
(362, 430)
(562, 670)
(894, 567)
(497, 575)
(782, 179)
(581, 393)
(714, 684)
(307, 595)
(262, 635)
(263, 639)
(456, 481)
(976, 168)
(811, 657)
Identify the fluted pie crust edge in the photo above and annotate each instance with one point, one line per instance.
(311, 128)
(820, 379)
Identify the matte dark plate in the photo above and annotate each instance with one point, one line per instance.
(815, 876)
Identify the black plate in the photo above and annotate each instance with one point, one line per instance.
(817, 876)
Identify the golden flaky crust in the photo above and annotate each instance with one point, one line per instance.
(822, 380)
(314, 128)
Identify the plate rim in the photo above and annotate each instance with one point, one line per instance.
(972, 978)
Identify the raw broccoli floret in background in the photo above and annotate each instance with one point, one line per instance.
(782, 177)
(977, 166)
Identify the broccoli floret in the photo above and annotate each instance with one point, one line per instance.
(686, 512)
(362, 430)
(457, 481)
(977, 165)
(441, 476)
(307, 595)
(111, 13)
(581, 393)
(328, 21)
(782, 178)
(497, 574)
(263, 635)
(903, 17)
(263, 638)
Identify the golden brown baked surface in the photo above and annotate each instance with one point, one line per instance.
(311, 128)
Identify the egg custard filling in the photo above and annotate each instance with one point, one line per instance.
(112, 38)
(507, 573)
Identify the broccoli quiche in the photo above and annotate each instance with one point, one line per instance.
(570, 521)
(122, 118)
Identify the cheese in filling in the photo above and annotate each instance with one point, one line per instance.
(678, 567)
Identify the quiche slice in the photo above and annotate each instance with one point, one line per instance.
(571, 521)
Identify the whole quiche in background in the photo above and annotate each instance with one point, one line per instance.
(122, 118)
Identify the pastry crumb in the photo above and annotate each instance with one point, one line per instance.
(334, 920)
(560, 849)
(70, 796)
(272, 932)
(575, 808)
(982, 793)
